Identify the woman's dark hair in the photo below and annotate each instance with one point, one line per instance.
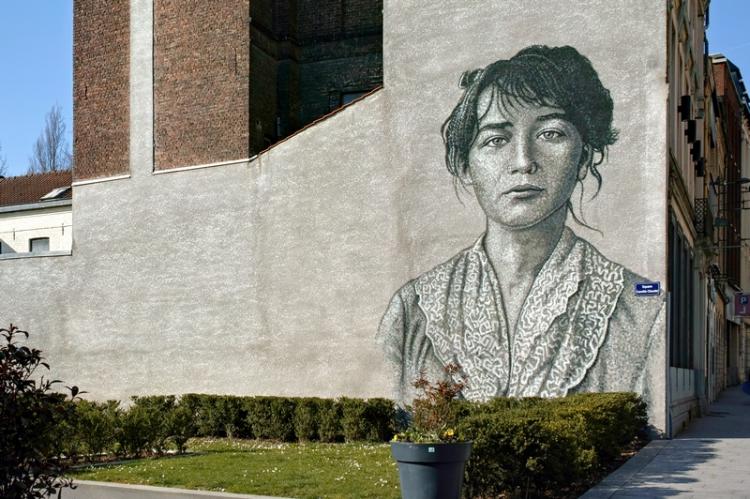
(544, 76)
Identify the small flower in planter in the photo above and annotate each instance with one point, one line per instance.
(434, 413)
(430, 454)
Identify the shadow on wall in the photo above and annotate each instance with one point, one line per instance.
(5, 249)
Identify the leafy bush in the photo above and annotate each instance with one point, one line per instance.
(96, 424)
(232, 416)
(371, 419)
(66, 436)
(536, 445)
(306, 419)
(380, 416)
(271, 417)
(259, 416)
(132, 431)
(608, 420)
(155, 409)
(29, 415)
(207, 423)
(514, 450)
(217, 415)
(329, 421)
(180, 426)
(353, 424)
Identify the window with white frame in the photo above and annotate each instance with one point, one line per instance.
(39, 245)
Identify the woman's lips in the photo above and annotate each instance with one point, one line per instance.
(524, 191)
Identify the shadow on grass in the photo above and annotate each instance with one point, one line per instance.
(126, 461)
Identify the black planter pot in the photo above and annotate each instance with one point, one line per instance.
(431, 471)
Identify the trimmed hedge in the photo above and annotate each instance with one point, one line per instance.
(520, 446)
(533, 445)
(272, 417)
(151, 423)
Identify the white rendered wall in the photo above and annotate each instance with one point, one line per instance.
(18, 227)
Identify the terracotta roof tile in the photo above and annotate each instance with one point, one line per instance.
(30, 188)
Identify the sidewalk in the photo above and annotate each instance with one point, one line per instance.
(711, 459)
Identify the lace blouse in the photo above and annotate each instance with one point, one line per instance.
(581, 327)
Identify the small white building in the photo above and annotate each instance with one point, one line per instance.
(36, 215)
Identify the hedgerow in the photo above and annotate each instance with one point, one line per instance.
(520, 446)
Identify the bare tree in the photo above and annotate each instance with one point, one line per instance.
(3, 163)
(51, 152)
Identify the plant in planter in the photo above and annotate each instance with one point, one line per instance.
(431, 455)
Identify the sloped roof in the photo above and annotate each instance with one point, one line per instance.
(31, 188)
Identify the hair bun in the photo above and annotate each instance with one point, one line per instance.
(469, 77)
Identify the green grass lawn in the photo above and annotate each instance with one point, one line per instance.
(264, 468)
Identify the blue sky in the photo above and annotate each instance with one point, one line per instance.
(729, 33)
(36, 50)
(36, 45)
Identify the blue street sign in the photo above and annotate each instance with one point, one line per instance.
(647, 288)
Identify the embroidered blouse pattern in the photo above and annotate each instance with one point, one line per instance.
(562, 325)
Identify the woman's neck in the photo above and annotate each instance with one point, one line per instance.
(520, 253)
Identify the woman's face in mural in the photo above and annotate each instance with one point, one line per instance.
(524, 161)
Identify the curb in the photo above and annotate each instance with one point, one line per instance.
(106, 490)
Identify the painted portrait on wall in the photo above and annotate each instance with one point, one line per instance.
(529, 308)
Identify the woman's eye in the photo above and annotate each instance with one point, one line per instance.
(551, 134)
(496, 141)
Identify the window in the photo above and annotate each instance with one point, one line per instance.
(681, 283)
(348, 97)
(39, 245)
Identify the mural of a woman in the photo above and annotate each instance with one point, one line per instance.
(530, 309)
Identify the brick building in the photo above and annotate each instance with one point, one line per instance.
(230, 78)
(35, 215)
(732, 106)
(708, 259)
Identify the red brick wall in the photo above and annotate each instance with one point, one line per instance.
(730, 114)
(201, 81)
(319, 18)
(305, 55)
(101, 67)
(263, 92)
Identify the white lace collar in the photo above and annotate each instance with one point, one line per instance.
(562, 324)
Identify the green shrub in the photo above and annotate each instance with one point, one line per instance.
(610, 421)
(372, 419)
(380, 416)
(329, 421)
(306, 419)
(132, 431)
(156, 409)
(353, 422)
(534, 445)
(180, 426)
(66, 436)
(282, 419)
(259, 416)
(515, 451)
(204, 413)
(29, 413)
(96, 425)
(271, 417)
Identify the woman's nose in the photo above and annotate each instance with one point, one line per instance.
(523, 160)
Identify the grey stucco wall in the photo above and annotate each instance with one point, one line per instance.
(270, 276)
